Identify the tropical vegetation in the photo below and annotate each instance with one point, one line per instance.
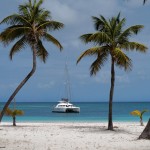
(13, 114)
(29, 28)
(110, 40)
(139, 114)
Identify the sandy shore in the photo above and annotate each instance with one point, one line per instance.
(71, 136)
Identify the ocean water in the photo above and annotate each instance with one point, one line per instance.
(90, 112)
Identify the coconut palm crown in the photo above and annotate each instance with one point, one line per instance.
(29, 27)
(111, 39)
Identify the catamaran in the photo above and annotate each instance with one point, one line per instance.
(64, 106)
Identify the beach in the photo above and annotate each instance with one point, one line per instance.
(72, 136)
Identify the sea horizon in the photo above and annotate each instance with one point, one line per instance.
(89, 112)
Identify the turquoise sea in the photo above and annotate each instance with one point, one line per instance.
(90, 112)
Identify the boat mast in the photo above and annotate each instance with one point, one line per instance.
(67, 84)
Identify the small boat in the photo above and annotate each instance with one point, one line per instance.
(64, 106)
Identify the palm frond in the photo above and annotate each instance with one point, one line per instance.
(131, 30)
(107, 25)
(41, 51)
(101, 24)
(99, 38)
(19, 45)
(99, 62)
(8, 112)
(122, 60)
(89, 52)
(118, 17)
(18, 112)
(118, 28)
(50, 25)
(50, 38)
(136, 113)
(13, 113)
(101, 54)
(85, 38)
(15, 19)
(98, 23)
(143, 111)
(44, 15)
(12, 33)
(134, 46)
(39, 3)
(24, 11)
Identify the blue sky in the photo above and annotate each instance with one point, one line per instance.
(47, 84)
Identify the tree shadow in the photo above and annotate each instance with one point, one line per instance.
(98, 129)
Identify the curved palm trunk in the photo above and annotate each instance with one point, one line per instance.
(20, 85)
(110, 122)
(14, 121)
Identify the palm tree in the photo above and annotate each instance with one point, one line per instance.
(29, 27)
(139, 114)
(110, 39)
(13, 114)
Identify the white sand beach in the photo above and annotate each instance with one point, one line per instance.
(72, 136)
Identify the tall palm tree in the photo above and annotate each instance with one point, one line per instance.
(30, 26)
(110, 39)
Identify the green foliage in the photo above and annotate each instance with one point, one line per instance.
(13, 113)
(138, 113)
(111, 38)
(31, 25)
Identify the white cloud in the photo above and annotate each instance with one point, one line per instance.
(78, 12)
(61, 11)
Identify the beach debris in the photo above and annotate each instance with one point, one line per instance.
(146, 132)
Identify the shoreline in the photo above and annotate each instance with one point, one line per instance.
(75, 121)
(72, 135)
(67, 122)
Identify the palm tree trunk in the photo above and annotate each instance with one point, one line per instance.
(14, 121)
(110, 122)
(146, 132)
(141, 121)
(20, 85)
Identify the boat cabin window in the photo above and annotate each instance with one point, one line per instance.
(65, 105)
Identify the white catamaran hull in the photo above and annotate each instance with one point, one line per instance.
(67, 110)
